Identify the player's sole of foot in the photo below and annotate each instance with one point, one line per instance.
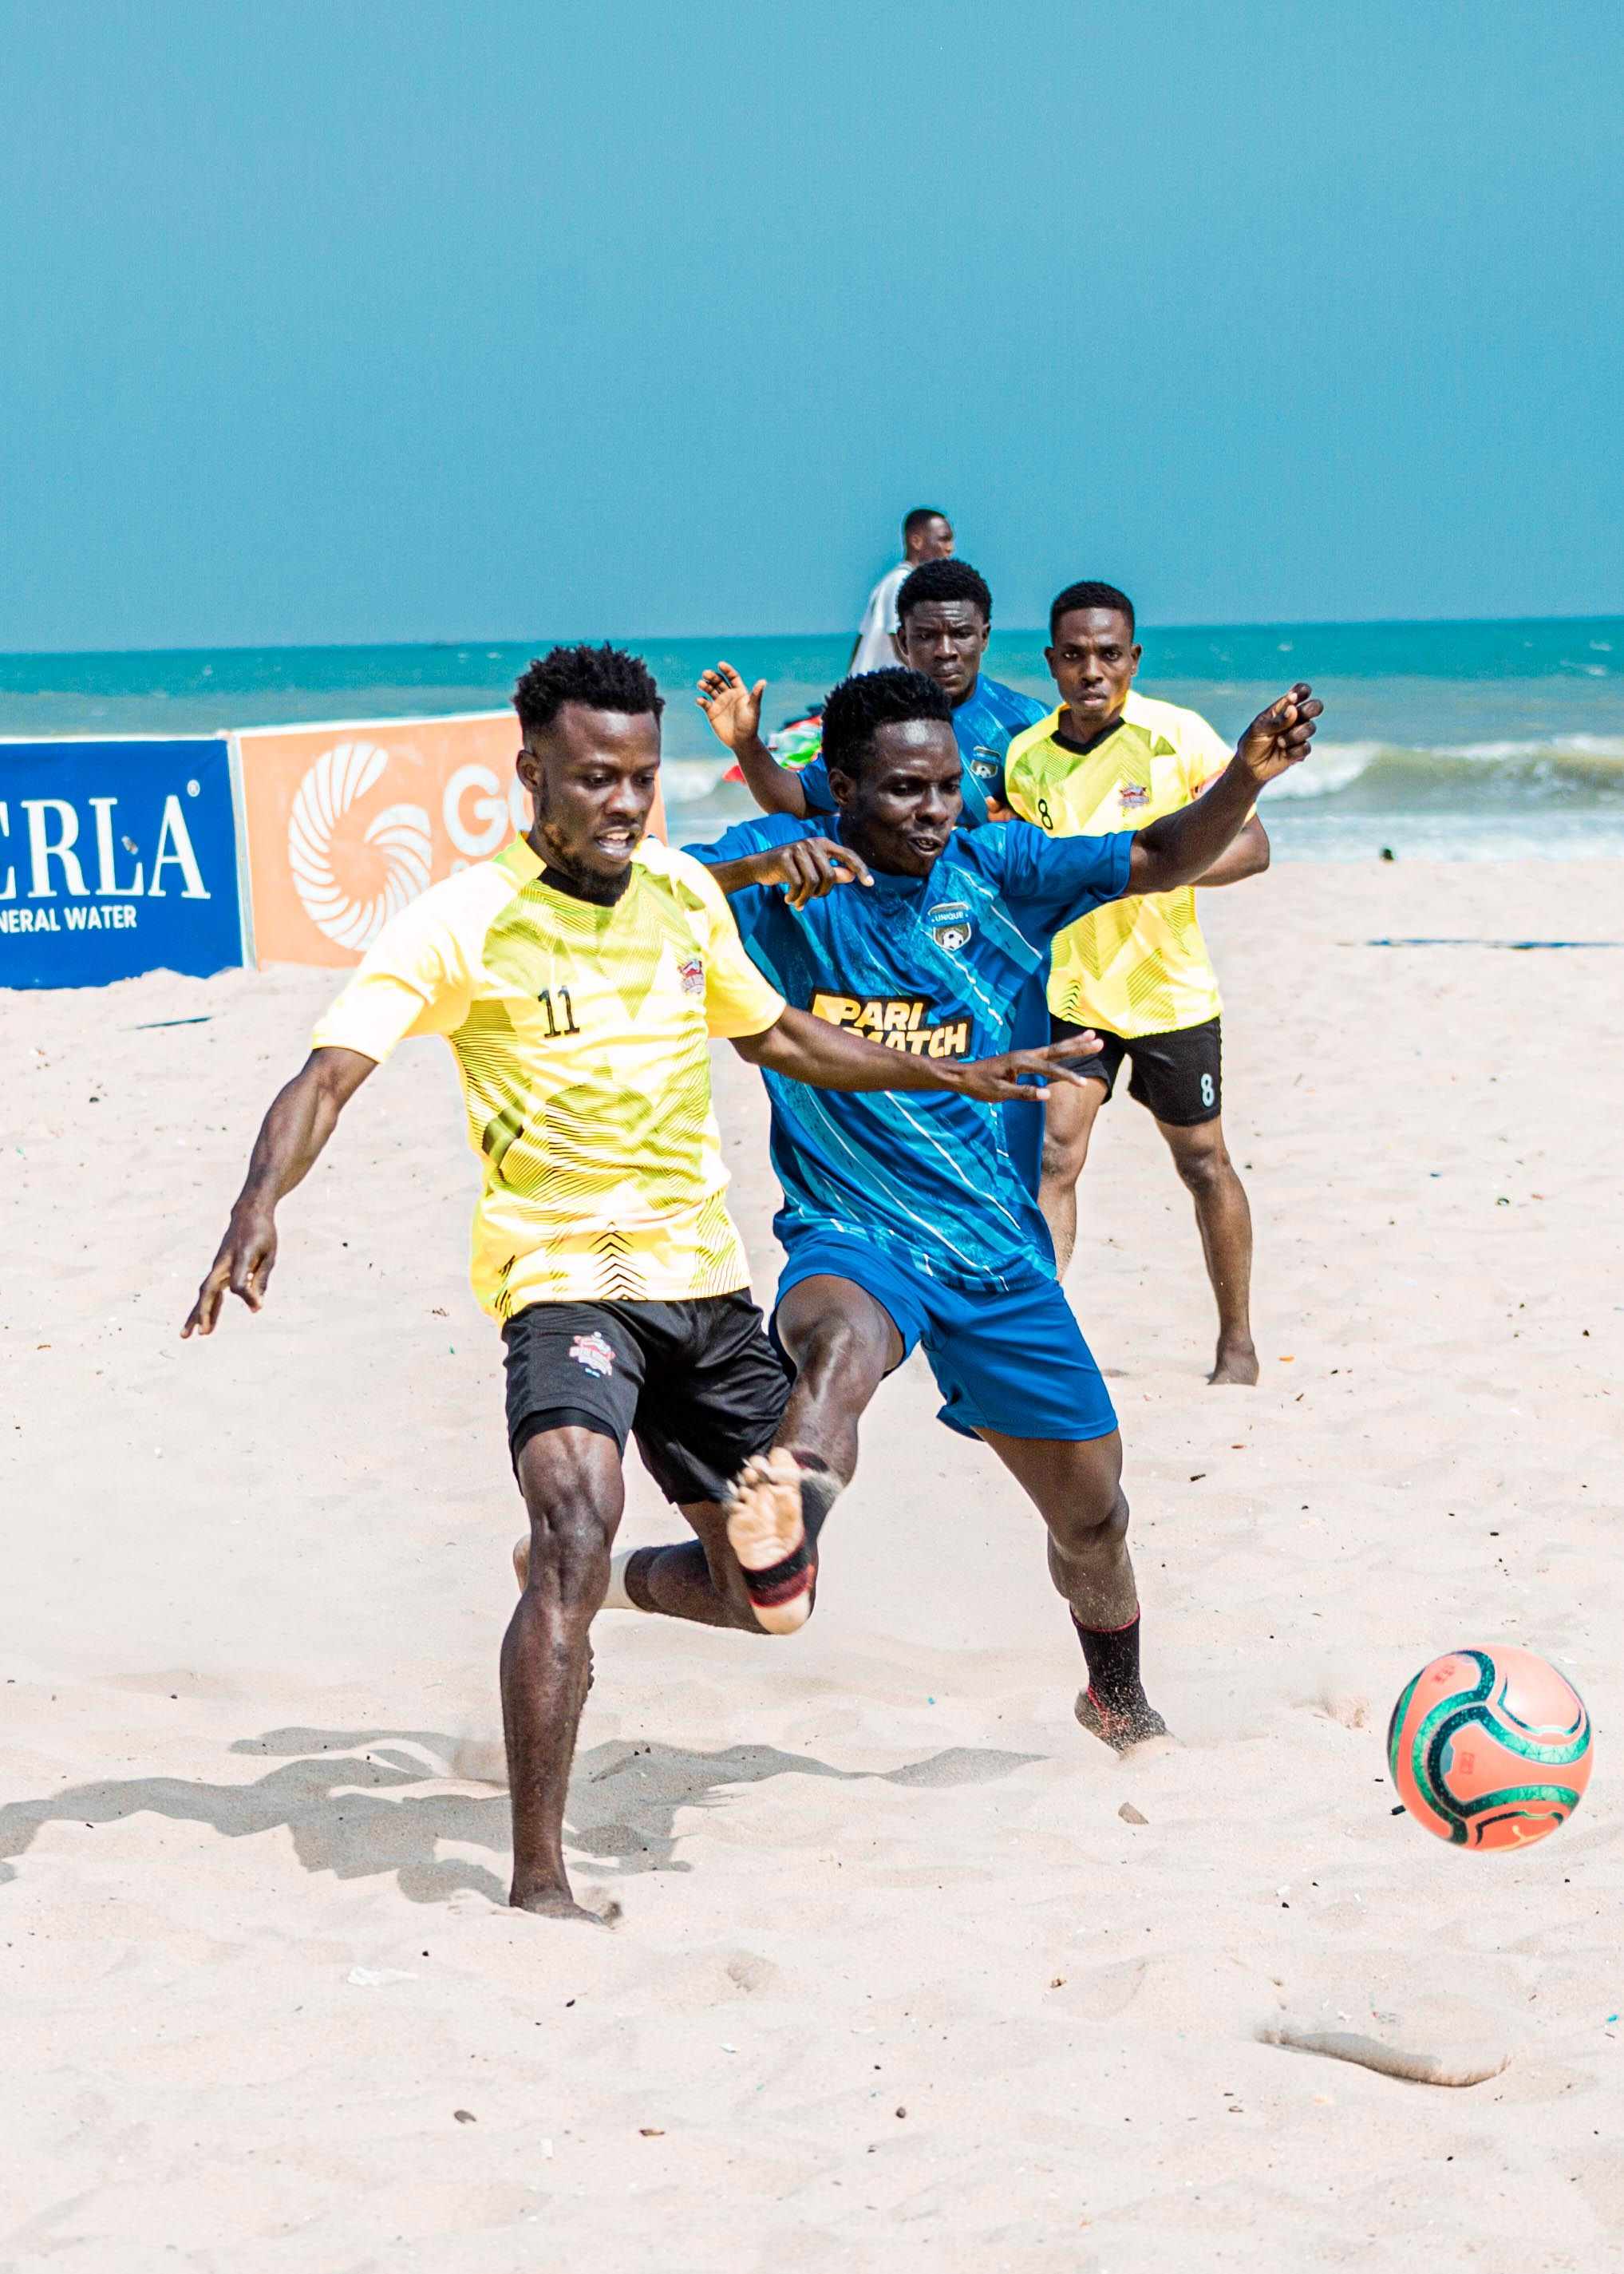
(767, 1534)
(1120, 1730)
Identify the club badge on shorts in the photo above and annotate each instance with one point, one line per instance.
(593, 1353)
(691, 971)
(950, 923)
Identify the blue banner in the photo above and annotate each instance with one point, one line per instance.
(115, 858)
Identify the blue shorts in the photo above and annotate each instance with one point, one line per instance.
(1016, 1364)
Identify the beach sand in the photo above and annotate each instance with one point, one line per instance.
(893, 1982)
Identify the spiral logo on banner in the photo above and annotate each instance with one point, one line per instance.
(399, 837)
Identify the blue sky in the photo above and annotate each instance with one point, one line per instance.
(409, 321)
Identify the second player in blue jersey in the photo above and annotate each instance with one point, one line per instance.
(905, 1227)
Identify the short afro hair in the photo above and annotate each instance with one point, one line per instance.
(921, 514)
(860, 707)
(1089, 596)
(602, 678)
(944, 580)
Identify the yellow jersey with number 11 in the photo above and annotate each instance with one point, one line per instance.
(580, 1033)
(1139, 966)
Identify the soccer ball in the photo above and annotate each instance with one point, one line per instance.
(1490, 1748)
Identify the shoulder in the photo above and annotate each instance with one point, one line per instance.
(459, 908)
(1005, 851)
(682, 872)
(1186, 730)
(1031, 740)
(996, 852)
(1022, 711)
(755, 835)
(981, 850)
(683, 883)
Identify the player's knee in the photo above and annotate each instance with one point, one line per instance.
(570, 1535)
(1205, 1168)
(1093, 1521)
(840, 1355)
(1062, 1163)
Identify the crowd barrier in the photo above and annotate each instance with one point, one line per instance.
(281, 845)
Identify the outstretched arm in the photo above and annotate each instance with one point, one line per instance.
(1247, 856)
(734, 713)
(1183, 846)
(809, 868)
(301, 1119)
(828, 1057)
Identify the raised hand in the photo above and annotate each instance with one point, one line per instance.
(1280, 736)
(733, 708)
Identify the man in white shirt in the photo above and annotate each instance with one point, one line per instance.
(927, 535)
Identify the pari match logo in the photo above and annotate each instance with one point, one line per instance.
(117, 858)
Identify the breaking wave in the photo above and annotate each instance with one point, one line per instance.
(1565, 769)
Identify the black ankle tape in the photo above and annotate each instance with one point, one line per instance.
(820, 1489)
(781, 1583)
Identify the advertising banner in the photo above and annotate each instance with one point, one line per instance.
(115, 858)
(347, 823)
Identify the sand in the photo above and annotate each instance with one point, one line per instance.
(894, 1982)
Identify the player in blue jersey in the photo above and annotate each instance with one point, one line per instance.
(914, 1219)
(945, 617)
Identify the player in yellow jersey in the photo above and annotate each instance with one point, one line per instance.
(1138, 972)
(577, 976)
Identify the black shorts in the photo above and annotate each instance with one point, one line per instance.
(1178, 1076)
(697, 1383)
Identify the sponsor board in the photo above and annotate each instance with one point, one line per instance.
(348, 824)
(117, 857)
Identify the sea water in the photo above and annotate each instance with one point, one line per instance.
(1441, 741)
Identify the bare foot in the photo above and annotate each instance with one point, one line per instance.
(1121, 1729)
(766, 1534)
(554, 1902)
(1236, 1363)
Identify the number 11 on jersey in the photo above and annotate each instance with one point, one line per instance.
(553, 1028)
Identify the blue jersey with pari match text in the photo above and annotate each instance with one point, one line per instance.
(984, 726)
(953, 964)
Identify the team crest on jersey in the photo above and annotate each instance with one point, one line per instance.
(950, 925)
(985, 764)
(691, 971)
(1132, 798)
(593, 1353)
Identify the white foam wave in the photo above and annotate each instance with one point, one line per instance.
(1553, 746)
(1328, 767)
(684, 781)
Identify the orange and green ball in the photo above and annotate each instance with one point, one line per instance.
(1490, 1748)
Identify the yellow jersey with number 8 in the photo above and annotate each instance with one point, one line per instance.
(1139, 966)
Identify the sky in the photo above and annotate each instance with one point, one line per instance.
(398, 321)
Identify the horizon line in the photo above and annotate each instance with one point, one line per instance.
(667, 639)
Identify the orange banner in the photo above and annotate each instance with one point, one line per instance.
(347, 823)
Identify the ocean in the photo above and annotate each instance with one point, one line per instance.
(1440, 740)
